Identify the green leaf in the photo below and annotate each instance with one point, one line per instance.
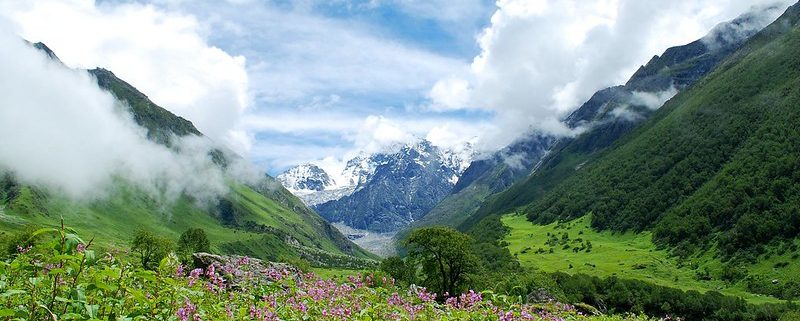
(91, 310)
(12, 292)
(105, 286)
(90, 256)
(43, 231)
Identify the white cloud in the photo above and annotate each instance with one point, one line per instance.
(541, 59)
(161, 53)
(294, 54)
(655, 100)
(354, 134)
(61, 132)
(449, 93)
(379, 133)
(451, 136)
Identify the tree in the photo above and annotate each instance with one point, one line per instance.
(192, 241)
(401, 270)
(445, 257)
(150, 247)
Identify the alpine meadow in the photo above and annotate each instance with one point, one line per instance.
(625, 160)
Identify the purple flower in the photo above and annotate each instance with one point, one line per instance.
(194, 275)
(188, 310)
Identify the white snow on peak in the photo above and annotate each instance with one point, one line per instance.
(315, 186)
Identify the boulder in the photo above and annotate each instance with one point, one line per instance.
(540, 296)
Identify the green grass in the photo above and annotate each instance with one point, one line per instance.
(336, 273)
(112, 221)
(625, 255)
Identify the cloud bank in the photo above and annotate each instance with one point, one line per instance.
(60, 131)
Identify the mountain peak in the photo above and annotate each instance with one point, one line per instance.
(305, 177)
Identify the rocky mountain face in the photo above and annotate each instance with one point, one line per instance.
(486, 176)
(382, 192)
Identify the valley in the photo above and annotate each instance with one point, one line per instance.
(630, 255)
(567, 179)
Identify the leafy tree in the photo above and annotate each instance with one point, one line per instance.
(445, 257)
(401, 270)
(150, 247)
(193, 240)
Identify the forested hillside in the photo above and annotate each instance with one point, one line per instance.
(719, 161)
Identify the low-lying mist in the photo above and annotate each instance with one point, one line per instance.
(59, 131)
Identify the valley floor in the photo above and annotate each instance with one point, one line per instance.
(627, 255)
(380, 244)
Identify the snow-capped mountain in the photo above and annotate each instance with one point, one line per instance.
(306, 177)
(398, 188)
(382, 191)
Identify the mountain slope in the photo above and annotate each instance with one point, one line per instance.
(314, 186)
(397, 189)
(612, 112)
(306, 177)
(260, 219)
(725, 163)
(716, 165)
(485, 177)
(606, 116)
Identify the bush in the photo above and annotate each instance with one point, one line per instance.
(192, 241)
(14, 243)
(151, 248)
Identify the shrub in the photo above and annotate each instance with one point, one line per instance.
(192, 241)
(151, 248)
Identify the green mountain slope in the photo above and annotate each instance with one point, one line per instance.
(719, 160)
(608, 115)
(713, 176)
(261, 219)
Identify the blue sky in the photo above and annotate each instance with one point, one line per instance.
(293, 81)
(341, 80)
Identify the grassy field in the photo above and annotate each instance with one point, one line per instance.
(112, 222)
(628, 255)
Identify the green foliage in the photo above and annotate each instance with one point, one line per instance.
(62, 279)
(297, 262)
(13, 242)
(790, 316)
(192, 241)
(266, 223)
(400, 269)
(719, 159)
(715, 168)
(490, 247)
(150, 248)
(444, 256)
(615, 295)
(635, 256)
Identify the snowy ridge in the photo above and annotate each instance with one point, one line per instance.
(314, 186)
